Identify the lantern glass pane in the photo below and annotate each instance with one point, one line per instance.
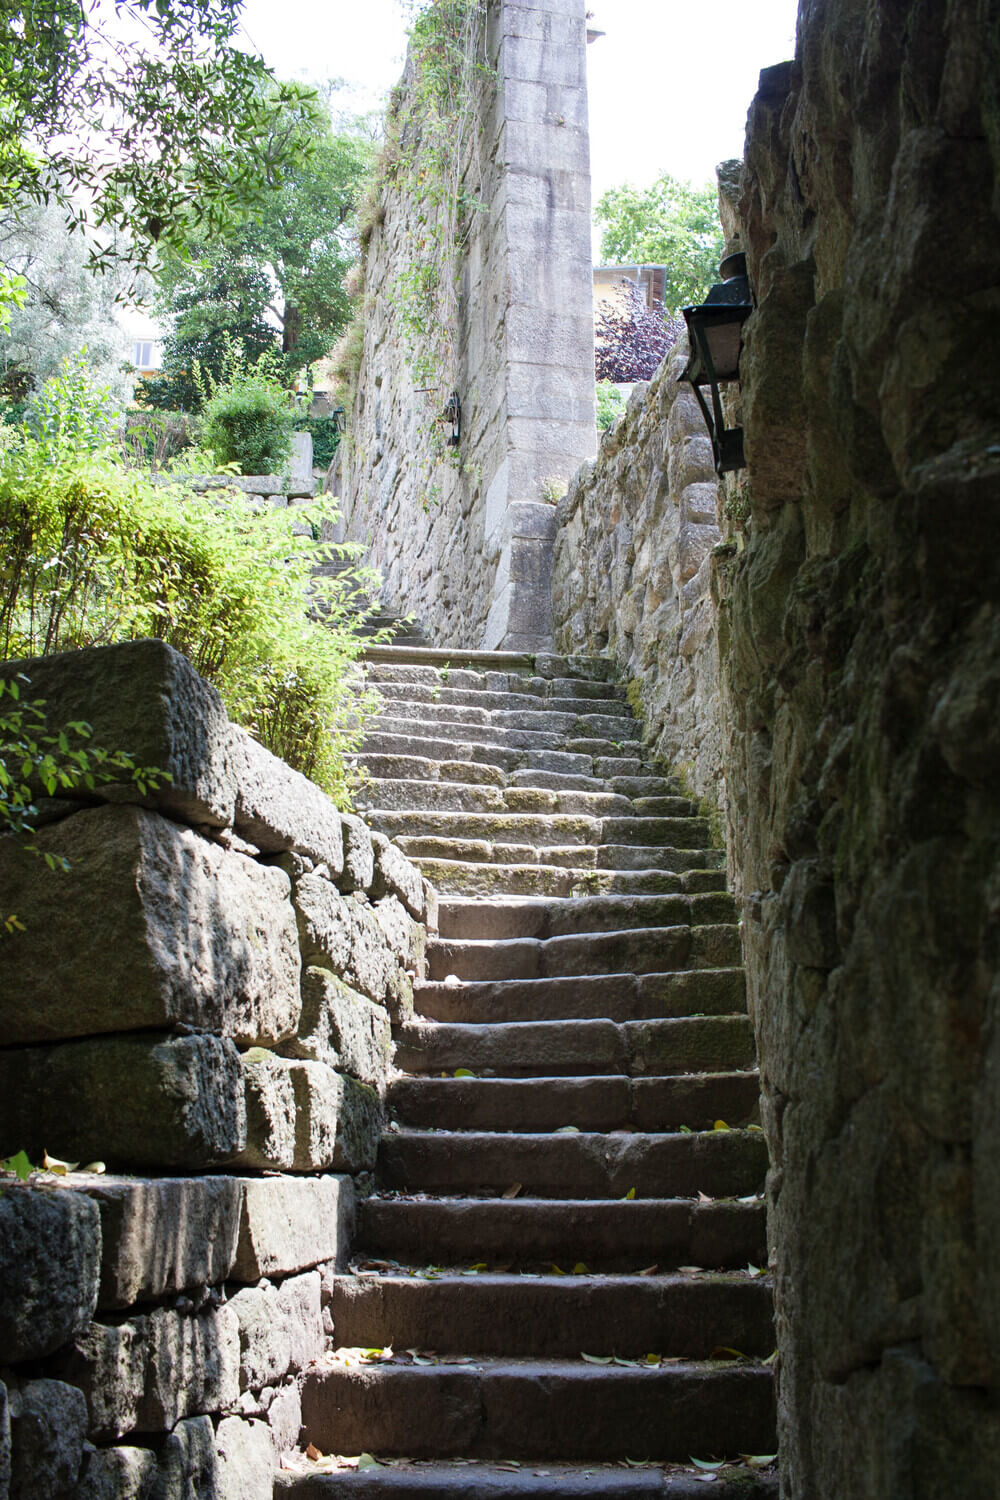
(724, 346)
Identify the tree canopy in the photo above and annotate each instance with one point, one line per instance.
(64, 309)
(141, 118)
(274, 277)
(671, 224)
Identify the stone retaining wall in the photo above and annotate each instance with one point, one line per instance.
(464, 542)
(861, 681)
(206, 996)
(632, 570)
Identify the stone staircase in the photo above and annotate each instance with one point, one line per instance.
(562, 1250)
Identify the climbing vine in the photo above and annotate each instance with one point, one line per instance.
(434, 158)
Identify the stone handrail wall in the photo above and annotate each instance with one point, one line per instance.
(860, 673)
(632, 570)
(464, 544)
(205, 997)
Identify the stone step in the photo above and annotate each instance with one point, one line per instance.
(556, 782)
(719, 1163)
(482, 851)
(609, 1102)
(474, 1479)
(540, 1409)
(423, 769)
(504, 700)
(623, 1235)
(618, 997)
(638, 950)
(652, 857)
(539, 918)
(545, 829)
(431, 714)
(557, 1316)
(541, 664)
(649, 1049)
(643, 784)
(507, 758)
(384, 795)
(470, 680)
(506, 737)
(469, 877)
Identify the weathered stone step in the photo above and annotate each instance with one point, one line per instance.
(556, 1316)
(481, 1480)
(556, 782)
(505, 700)
(423, 769)
(643, 784)
(704, 1044)
(543, 829)
(621, 1235)
(719, 1163)
(507, 758)
(470, 680)
(385, 795)
(451, 875)
(652, 857)
(507, 737)
(542, 664)
(540, 918)
(482, 851)
(618, 997)
(608, 1102)
(638, 950)
(432, 714)
(540, 1409)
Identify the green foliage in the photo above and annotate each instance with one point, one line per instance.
(283, 263)
(670, 223)
(139, 117)
(432, 156)
(65, 307)
(249, 418)
(35, 758)
(326, 439)
(94, 553)
(216, 302)
(72, 412)
(610, 404)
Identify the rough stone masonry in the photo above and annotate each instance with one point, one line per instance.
(861, 672)
(203, 1001)
(465, 544)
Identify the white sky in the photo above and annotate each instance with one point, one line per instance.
(670, 82)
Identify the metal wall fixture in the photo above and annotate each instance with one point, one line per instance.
(339, 416)
(715, 327)
(453, 414)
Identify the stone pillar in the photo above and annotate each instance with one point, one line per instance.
(543, 218)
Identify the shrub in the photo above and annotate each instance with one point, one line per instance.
(94, 553)
(610, 404)
(326, 439)
(249, 417)
(630, 338)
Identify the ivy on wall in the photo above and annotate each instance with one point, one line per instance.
(433, 161)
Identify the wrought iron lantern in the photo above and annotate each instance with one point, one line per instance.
(452, 414)
(339, 416)
(715, 327)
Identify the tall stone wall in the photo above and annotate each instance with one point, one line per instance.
(195, 1019)
(632, 570)
(861, 656)
(464, 543)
